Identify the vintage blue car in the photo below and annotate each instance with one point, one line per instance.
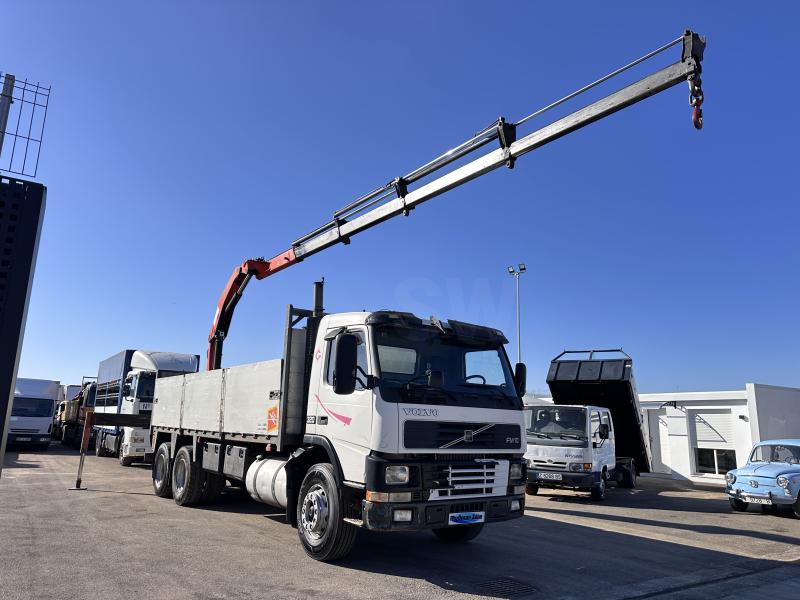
(770, 478)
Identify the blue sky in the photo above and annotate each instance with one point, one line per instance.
(185, 137)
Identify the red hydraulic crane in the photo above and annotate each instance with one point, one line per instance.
(395, 198)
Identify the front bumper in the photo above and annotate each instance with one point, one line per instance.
(28, 439)
(775, 495)
(583, 481)
(378, 516)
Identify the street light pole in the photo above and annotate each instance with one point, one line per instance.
(516, 274)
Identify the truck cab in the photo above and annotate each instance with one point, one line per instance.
(592, 432)
(32, 412)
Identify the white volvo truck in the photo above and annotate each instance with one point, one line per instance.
(125, 384)
(593, 432)
(378, 420)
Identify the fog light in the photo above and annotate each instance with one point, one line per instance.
(401, 515)
(396, 475)
(515, 505)
(518, 490)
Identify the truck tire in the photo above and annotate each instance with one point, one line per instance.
(320, 520)
(738, 505)
(187, 484)
(212, 486)
(125, 461)
(628, 476)
(98, 445)
(598, 491)
(162, 471)
(532, 489)
(460, 534)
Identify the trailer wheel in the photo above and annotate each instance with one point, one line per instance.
(460, 534)
(162, 471)
(531, 488)
(320, 524)
(187, 484)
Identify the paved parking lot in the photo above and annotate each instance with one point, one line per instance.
(661, 540)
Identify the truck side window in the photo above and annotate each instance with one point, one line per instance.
(595, 422)
(606, 418)
(363, 366)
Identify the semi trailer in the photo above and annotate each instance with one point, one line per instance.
(593, 433)
(375, 420)
(125, 383)
(32, 412)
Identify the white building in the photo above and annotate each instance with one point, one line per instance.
(698, 436)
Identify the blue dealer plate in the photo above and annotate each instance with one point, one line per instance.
(467, 518)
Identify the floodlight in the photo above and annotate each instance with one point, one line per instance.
(511, 270)
(521, 267)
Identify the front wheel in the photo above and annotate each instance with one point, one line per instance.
(531, 489)
(598, 491)
(738, 505)
(460, 534)
(320, 521)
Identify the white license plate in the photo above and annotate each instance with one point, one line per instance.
(551, 476)
(467, 518)
(23, 439)
(752, 500)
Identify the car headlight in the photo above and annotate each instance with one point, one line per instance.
(730, 478)
(783, 481)
(515, 471)
(396, 474)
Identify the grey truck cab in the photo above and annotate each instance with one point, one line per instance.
(592, 432)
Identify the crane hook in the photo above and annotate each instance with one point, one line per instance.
(696, 101)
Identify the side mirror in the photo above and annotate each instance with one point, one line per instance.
(435, 379)
(602, 431)
(520, 378)
(126, 389)
(344, 373)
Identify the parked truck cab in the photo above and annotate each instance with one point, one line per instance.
(585, 446)
(32, 412)
(379, 420)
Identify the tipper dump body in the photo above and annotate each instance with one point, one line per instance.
(603, 378)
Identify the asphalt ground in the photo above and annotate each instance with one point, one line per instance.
(118, 540)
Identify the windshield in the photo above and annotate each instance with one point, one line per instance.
(776, 453)
(411, 360)
(555, 422)
(32, 407)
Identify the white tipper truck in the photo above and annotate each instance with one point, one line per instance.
(593, 433)
(380, 420)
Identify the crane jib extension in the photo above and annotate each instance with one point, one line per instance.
(398, 198)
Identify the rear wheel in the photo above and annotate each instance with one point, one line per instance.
(187, 482)
(532, 489)
(99, 450)
(738, 505)
(628, 476)
(162, 471)
(460, 534)
(212, 486)
(320, 520)
(125, 461)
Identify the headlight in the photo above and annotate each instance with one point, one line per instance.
(396, 475)
(515, 471)
(580, 467)
(783, 481)
(730, 478)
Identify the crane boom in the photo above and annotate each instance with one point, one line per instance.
(395, 198)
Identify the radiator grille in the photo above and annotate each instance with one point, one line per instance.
(467, 479)
(460, 436)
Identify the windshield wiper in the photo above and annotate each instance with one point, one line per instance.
(542, 435)
(572, 436)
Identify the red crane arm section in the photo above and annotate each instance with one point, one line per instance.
(241, 276)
